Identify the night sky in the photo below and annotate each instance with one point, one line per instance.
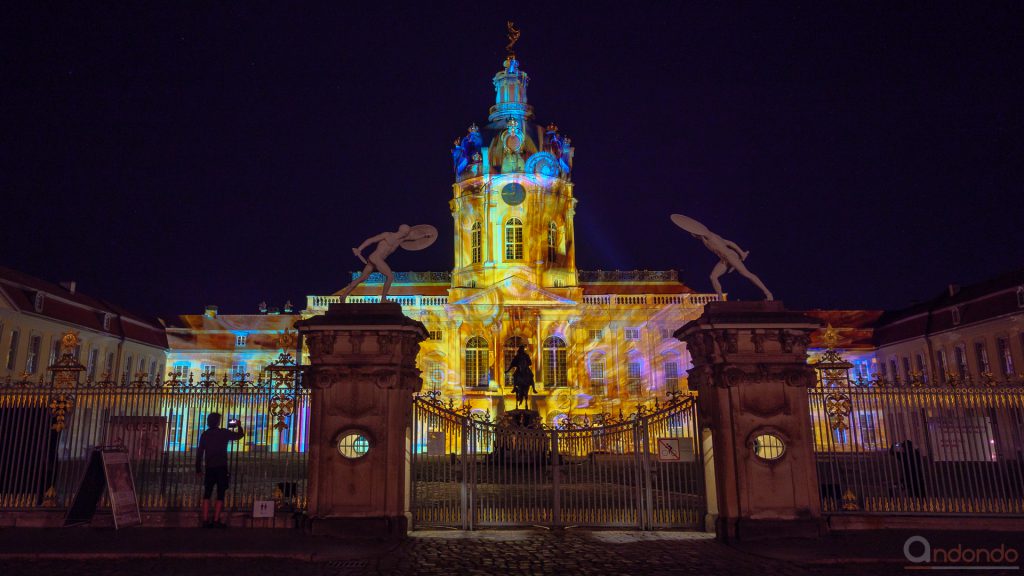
(227, 153)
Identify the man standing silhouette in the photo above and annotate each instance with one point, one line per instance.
(213, 444)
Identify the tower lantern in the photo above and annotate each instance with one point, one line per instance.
(513, 201)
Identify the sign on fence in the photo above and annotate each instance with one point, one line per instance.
(143, 436)
(674, 450)
(108, 467)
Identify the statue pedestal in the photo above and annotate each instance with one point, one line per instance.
(750, 370)
(363, 375)
(520, 439)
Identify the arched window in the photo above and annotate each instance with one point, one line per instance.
(511, 345)
(474, 234)
(595, 368)
(552, 242)
(554, 362)
(514, 239)
(476, 362)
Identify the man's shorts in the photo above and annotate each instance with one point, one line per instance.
(218, 477)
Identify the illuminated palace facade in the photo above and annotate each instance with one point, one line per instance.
(601, 341)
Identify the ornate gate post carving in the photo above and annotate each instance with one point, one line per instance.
(363, 376)
(750, 370)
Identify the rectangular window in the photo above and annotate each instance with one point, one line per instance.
(922, 370)
(671, 377)
(54, 351)
(981, 355)
(906, 369)
(595, 335)
(943, 366)
(868, 434)
(1005, 357)
(181, 370)
(885, 371)
(238, 371)
(176, 431)
(960, 354)
(956, 315)
(598, 386)
(128, 376)
(633, 379)
(152, 372)
(90, 369)
(632, 333)
(434, 335)
(108, 367)
(259, 429)
(240, 340)
(32, 360)
(12, 351)
(207, 372)
(895, 370)
(841, 436)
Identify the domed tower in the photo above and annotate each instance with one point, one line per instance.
(512, 201)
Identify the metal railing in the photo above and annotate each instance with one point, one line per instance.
(50, 429)
(469, 472)
(887, 449)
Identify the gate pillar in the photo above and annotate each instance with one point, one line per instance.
(363, 376)
(751, 375)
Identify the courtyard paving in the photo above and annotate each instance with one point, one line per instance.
(157, 552)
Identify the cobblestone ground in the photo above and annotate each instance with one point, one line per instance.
(488, 553)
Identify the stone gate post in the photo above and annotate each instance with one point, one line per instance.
(751, 374)
(363, 376)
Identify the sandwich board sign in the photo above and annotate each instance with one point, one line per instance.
(110, 468)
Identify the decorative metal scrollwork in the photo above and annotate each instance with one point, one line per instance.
(59, 407)
(837, 407)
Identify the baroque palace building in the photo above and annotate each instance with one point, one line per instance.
(601, 341)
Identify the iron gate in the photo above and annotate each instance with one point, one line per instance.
(644, 471)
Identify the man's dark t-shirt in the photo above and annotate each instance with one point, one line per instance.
(214, 443)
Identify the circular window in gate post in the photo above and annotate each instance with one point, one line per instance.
(353, 444)
(768, 446)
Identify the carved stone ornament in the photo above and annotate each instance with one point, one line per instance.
(324, 377)
(800, 377)
(385, 343)
(321, 343)
(757, 339)
(787, 340)
(355, 339)
(410, 348)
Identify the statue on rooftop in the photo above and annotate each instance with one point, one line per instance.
(730, 255)
(408, 237)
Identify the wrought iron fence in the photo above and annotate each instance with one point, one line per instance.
(915, 449)
(470, 472)
(50, 428)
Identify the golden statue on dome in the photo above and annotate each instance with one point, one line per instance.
(513, 37)
(511, 64)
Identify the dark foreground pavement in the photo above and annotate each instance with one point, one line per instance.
(157, 552)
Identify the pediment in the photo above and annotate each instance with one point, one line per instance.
(514, 291)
